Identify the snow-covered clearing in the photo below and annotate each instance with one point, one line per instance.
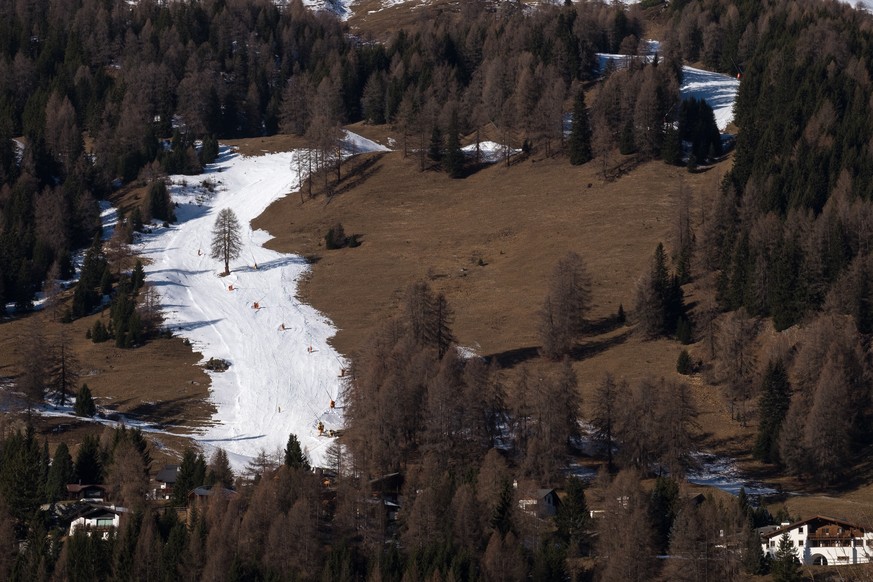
(283, 374)
(719, 91)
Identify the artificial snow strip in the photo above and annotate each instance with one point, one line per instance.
(284, 377)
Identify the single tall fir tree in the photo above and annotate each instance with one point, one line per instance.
(580, 132)
(775, 399)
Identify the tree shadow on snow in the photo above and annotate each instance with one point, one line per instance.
(274, 264)
(194, 325)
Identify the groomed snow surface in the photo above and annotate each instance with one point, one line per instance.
(283, 374)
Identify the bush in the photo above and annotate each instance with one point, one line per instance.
(336, 237)
(85, 402)
(99, 333)
(159, 204)
(684, 365)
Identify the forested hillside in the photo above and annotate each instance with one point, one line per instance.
(444, 453)
(94, 88)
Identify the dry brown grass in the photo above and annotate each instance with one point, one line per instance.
(518, 221)
(159, 383)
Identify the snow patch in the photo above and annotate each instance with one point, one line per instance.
(489, 151)
(719, 91)
(723, 473)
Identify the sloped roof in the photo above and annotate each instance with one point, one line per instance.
(168, 474)
(208, 490)
(78, 488)
(780, 530)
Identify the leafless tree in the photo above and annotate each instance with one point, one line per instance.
(684, 234)
(34, 377)
(605, 413)
(296, 104)
(562, 317)
(127, 480)
(64, 371)
(625, 542)
(149, 309)
(737, 360)
(503, 560)
(61, 131)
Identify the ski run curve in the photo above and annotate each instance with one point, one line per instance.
(283, 373)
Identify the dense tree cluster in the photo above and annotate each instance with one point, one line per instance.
(790, 219)
(121, 78)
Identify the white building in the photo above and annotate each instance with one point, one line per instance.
(823, 541)
(100, 521)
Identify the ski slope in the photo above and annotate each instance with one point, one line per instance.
(283, 374)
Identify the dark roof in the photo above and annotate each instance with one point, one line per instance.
(780, 530)
(78, 488)
(168, 474)
(93, 512)
(209, 490)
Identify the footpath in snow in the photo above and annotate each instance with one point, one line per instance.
(283, 374)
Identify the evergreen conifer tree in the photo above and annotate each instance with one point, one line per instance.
(60, 474)
(159, 203)
(192, 473)
(683, 364)
(785, 567)
(137, 278)
(85, 402)
(21, 473)
(773, 406)
(580, 132)
(89, 467)
(573, 520)
(435, 150)
(626, 142)
(671, 151)
(294, 455)
(209, 149)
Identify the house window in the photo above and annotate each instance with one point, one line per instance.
(772, 544)
(800, 530)
(800, 543)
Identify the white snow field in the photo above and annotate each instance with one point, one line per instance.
(283, 374)
(720, 92)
